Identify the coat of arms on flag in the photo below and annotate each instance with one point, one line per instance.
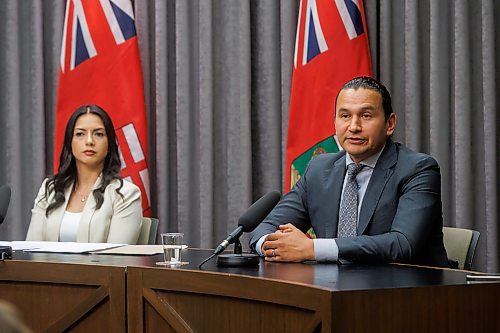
(100, 64)
(331, 47)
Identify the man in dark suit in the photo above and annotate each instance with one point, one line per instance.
(397, 192)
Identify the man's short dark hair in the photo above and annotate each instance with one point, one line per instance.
(367, 82)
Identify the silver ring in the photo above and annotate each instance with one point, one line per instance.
(273, 253)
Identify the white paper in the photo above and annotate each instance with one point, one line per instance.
(136, 250)
(61, 247)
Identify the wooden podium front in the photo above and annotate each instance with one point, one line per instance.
(190, 301)
(59, 297)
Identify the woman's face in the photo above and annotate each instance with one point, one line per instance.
(90, 142)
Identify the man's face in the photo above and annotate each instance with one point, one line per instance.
(360, 123)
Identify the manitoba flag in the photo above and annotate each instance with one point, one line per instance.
(331, 47)
(100, 65)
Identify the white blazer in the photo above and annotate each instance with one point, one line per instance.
(118, 220)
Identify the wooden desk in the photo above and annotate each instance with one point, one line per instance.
(101, 293)
(291, 297)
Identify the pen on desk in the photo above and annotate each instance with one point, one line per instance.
(485, 277)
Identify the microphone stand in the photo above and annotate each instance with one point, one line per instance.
(238, 259)
(237, 246)
(6, 252)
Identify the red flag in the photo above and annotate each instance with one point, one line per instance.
(331, 47)
(100, 65)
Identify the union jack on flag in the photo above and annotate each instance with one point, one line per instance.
(100, 64)
(314, 39)
(350, 13)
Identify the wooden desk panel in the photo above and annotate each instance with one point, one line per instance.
(462, 308)
(174, 300)
(56, 297)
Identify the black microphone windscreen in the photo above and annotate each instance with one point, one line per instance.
(258, 211)
(4, 201)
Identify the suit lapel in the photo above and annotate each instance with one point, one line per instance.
(334, 177)
(55, 219)
(381, 174)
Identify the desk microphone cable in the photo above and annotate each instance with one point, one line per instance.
(204, 261)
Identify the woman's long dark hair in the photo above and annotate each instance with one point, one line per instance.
(67, 173)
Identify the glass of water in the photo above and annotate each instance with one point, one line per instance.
(172, 248)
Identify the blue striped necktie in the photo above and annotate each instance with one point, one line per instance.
(348, 213)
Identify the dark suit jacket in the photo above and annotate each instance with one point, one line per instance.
(401, 213)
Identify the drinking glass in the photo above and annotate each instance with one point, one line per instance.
(172, 248)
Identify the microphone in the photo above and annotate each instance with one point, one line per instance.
(247, 222)
(4, 201)
(5, 251)
(255, 214)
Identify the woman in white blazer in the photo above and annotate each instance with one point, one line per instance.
(87, 200)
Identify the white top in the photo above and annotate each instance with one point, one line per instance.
(69, 226)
